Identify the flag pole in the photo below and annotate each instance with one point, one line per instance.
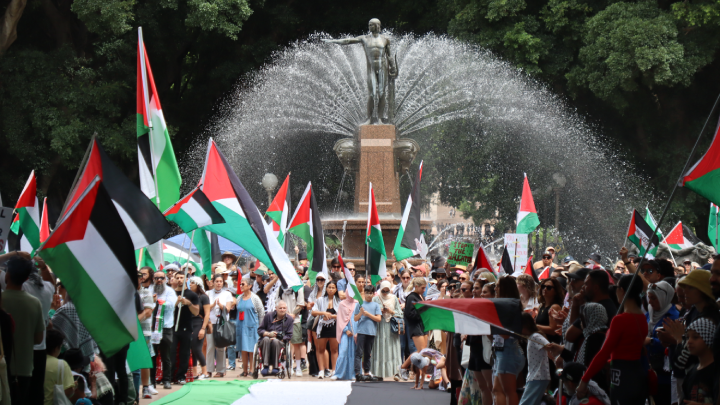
(177, 322)
(717, 211)
(672, 195)
(146, 99)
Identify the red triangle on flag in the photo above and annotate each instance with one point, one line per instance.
(44, 225)
(29, 192)
(526, 201)
(215, 181)
(675, 236)
(545, 274)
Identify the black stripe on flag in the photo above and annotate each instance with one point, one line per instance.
(110, 226)
(144, 146)
(207, 206)
(506, 263)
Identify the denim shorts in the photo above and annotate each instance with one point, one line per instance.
(510, 360)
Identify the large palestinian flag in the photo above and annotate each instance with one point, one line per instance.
(713, 231)
(640, 234)
(306, 225)
(375, 255)
(159, 173)
(676, 238)
(244, 224)
(527, 218)
(279, 211)
(142, 219)
(194, 211)
(704, 176)
(409, 232)
(92, 252)
(472, 316)
(27, 222)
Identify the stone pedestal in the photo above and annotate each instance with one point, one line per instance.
(377, 166)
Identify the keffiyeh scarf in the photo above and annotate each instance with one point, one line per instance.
(595, 321)
(67, 321)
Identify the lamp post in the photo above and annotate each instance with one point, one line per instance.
(269, 182)
(560, 180)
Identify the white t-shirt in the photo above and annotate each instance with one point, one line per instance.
(224, 296)
(538, 365)
(45, 294)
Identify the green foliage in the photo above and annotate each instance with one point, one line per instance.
(224, 16)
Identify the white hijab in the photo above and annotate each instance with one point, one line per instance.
(664, 293)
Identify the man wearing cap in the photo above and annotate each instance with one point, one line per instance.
(543, 262)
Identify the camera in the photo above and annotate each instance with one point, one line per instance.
(279, 335)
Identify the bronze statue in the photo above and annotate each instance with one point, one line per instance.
(381, 68)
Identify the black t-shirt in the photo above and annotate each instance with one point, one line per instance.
(610, 310)
(699, 385)
(203, 300)
(261, 294)
(185, 323)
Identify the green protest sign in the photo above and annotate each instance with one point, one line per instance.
(460, 253)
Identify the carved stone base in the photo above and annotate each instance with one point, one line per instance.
(377, 166)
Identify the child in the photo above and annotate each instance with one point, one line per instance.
(570, 377)
(57, 372)
(538, 375)
(367, 317)
(700, 378)
(421, 360)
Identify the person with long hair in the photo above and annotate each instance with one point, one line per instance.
(250, 311)
(552, 295)
(623, 347)
(325, 309)
(200, 324)
(414, 327)
(509, 358)
(528, 294)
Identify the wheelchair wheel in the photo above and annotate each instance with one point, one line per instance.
(258, 363)
(288, 361)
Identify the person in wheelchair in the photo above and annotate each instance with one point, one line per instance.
(275, 332)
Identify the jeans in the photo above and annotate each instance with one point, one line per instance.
(363, 351)
(232, 355)
(181, 339)
(137, 383)
(163, 349)
(407, 346)
(534, 391)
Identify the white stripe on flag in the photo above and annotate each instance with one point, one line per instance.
(468, 325)
(136, 235)
(197, 213)
(103, 268)
(232, 204)
(302, 393)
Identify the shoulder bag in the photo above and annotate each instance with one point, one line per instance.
(223, 331)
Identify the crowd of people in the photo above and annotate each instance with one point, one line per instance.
(590, 334)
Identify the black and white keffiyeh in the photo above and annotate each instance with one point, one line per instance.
(705, 328)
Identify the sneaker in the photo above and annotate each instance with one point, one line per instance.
(202, 377)
(303, 365)
(320, 377)
(396, 377)
(146, 393)
(360, 378)
(167, 386)
(265, 372)
(404, 374)
(152, 390)
(231, 368)
(182, 382)
(334, 377)
(328, 373)
(298, 373)
(275, 371)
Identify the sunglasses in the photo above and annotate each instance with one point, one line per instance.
(463, 278)
(464, 289)
(547, 257)
(405, 278)
(547, 287)
(335, 267)
(159, 278)
(385, 291)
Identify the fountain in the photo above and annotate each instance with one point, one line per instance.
(312, 100)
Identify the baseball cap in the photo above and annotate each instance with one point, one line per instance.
(572, 372)
(578, 275)
(568, 259)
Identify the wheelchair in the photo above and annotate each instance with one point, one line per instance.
(285, 361)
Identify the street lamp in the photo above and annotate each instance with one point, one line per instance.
(270, 182)
(560, 180)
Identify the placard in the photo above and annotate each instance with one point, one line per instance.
(5, 222)
(517, 246)
(460, 253)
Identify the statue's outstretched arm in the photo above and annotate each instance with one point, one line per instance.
(346, 41)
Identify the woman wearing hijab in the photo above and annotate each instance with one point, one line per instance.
(660, 307)
(346, 331)
(386, 350)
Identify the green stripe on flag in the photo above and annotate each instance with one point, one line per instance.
(528, 223)
(209, 392)
(183, 220)
(707, 186)
(401, 253)
(107, 330)
(29, 227)
(436, 318)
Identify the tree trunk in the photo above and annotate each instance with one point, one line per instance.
(8, 30)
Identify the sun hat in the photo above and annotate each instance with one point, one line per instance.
(699, 279)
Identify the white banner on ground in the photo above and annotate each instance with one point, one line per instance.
(517, 246)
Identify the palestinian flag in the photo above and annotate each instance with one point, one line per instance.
(352, 289)
(194, 211)
(544, 274)
(481, 260)
(27, 222)
(704, 176)
(375, 246)
(244, 224)
(92, 252)
(676, 239)
(306, 225)
(144, 259)
(159, 173)
(409, 232)
(279, 211)
(506, 266)
(472, 316)
(527, 218)
(713, 227)
(143, 221)
(640, 234)
(172, 252)
(44, 226)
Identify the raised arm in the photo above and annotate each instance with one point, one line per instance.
(346, 41)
